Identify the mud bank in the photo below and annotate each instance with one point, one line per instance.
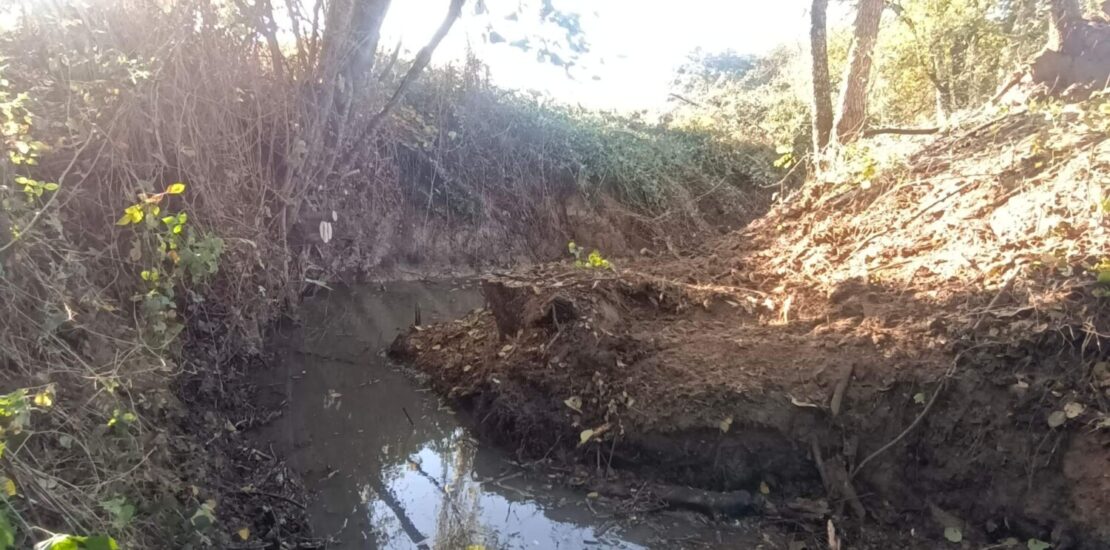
(842, 416)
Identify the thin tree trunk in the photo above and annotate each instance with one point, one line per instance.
(454, 10)
(1077, 57)
(366, 33)
(1064, 15)
(822, 94)
(853, 98)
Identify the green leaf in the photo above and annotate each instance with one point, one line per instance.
(122, 512)
(176, 189)
(50, 186)
(60, 542)
(1037, 544)
(101, 542)
(7, 532)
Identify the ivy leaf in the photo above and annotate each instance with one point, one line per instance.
(101, 542)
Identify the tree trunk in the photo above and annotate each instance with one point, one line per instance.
(822, 95)
(366, 32)
(853, 98)
(1063, 17)
(1077, 55)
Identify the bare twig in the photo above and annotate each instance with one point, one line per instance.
(418, 64)
(53, 197)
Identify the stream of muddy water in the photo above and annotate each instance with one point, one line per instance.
(386, 463)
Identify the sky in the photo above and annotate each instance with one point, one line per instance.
(635, 45)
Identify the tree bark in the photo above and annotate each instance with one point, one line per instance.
(822, 94)
(1077, 56)
(853, 98)
(1063, 17)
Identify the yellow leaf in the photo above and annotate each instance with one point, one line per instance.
(244, 533)
(126, 219)
(9, 487)
(176, 189)
(476, 547)
(44, 398)
(585, 436)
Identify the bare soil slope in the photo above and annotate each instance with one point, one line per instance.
(915, 357)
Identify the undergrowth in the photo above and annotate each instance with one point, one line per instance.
(154, 222)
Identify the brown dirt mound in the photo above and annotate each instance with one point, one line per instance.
(923, 354)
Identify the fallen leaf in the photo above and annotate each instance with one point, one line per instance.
(919, 398)
(1037, 544)
(1073, 409)
(764, 488)
(575, 403)
(593, 494)
(953, 534)
(725, 424)
(244, 533)
(584, 437)
(799, 403)
(1057, 419)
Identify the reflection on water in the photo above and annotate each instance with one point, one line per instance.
(388, 466)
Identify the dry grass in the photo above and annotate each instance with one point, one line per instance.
(132, 96)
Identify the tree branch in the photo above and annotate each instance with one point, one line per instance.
(418, 65)
(900, 131)
(684, 99)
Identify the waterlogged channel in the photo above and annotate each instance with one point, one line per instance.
(387, 465)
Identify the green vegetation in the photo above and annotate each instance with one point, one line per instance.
(165, 166)
(593, 260)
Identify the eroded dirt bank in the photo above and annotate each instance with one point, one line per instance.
(921, 360)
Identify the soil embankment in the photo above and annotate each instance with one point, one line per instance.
(920, 359)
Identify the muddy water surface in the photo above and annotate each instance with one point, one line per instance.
(387, 465)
